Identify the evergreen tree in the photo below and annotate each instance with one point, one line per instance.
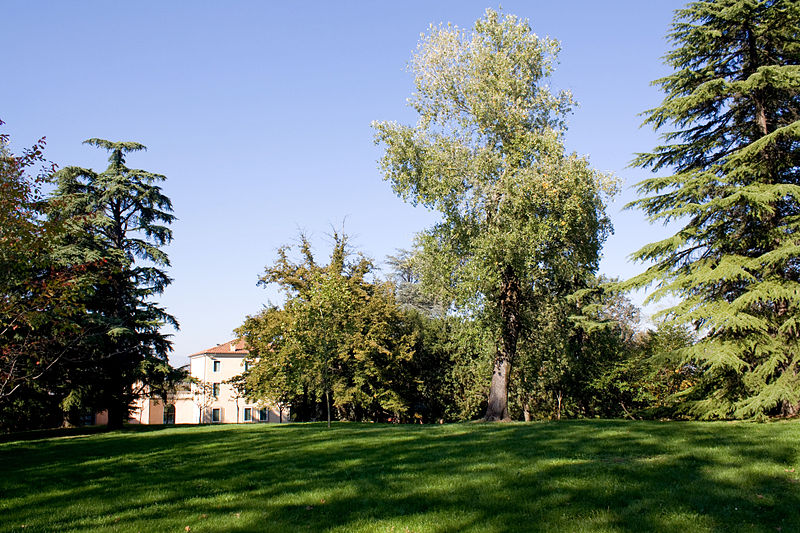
(117, 221)
(731, 117)
(522, 220)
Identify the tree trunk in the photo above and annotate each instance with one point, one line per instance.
(328, 404)
(117, 413)
(789, 409)
(526, 398)
(497, 408)
(559, 395)
(117, 404)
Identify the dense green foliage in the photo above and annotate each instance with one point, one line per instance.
(342, 336)
(575, 476)
(38, 308)
(602, 362)
(732, 120)
(522, 221)
(338, 339)
(115, 221)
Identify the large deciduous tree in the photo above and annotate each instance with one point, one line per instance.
(23, 252)
(522, 220)
(38, 306)
(731, 122)
(117, 222)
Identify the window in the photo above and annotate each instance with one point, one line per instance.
(215, 415)
(216, 366)
(169, 414)
(215, 390)
(263, 415)
(87, 419)
(248, 414)
(246, 366)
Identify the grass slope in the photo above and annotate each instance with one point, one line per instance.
(569, 476)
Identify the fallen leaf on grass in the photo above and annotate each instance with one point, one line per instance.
(760, 496)
(203, 515)
(237, 515)
(187, 528)
(309, 507)
(322, 500)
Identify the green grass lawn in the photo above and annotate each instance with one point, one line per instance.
(567, 476)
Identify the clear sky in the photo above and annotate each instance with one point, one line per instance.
(259, 115)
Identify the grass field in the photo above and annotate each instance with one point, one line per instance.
(568, 476)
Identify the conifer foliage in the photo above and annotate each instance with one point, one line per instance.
(117, 221)
(731, 122)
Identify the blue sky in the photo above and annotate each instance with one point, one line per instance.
(259, 115)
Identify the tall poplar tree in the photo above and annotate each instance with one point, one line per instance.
(118, 221)
(731, 122)
(522, 220)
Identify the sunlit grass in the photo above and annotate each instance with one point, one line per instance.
(581, 476)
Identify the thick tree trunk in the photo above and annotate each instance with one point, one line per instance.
(789, 409)
(497, 408)
(117, 413)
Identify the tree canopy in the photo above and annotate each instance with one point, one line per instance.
(522, 220)
(338, 336)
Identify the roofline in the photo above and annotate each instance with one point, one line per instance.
(199, 354)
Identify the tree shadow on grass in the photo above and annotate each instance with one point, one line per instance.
(55, 433)
(573, 476)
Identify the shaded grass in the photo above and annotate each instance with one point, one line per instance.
(572, 476)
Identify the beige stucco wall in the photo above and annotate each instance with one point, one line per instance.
(231, 408)
(185, 410)
(147, 410)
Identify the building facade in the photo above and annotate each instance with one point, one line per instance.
(208, 398)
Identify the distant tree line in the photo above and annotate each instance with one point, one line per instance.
(501, 313)
(497, 312)
(350, 345)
